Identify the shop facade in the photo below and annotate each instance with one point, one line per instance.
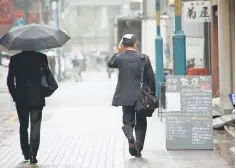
(223, 51)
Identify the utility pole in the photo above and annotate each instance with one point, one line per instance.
(55, 8)
(59, 78)
(62, 49)
(26, 12)
(57, 14)
(159, 50)
(62, 6)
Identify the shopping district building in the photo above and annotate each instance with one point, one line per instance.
(223, 50)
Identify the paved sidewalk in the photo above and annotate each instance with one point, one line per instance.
(6, 104)
(81, 130)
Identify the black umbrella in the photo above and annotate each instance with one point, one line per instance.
(33, 37)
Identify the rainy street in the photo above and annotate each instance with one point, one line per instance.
(172, 59)
(81, 129)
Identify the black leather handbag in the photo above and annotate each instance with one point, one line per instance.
(147, 102)
(48, 82)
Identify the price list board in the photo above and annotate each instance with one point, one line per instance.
(189, 123)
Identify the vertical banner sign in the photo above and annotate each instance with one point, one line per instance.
(189, 112)
(197, 11)
(178, 7)
(6, 11)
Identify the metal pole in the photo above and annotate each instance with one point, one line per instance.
(159, 50)
(62, 49)
(62, 6)
(57, 15)
(26, 13)
(179, 47)
(59, 77)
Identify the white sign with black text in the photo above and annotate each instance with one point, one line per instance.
(195, 52)
(197, 11)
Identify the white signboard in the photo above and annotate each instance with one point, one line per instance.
(173, 101)
(197, 11)
(195, 51)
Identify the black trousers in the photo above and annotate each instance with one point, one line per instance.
(35, 115)
(133, 120)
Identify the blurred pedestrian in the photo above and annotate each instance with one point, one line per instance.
(128, 62)
(24, 84)
(109, 70)
(52, 64)
(77, 67)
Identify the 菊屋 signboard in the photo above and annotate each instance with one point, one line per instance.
(197, 11)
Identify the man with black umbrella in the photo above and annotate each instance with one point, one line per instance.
(24, 80)
(24, 84)
(128, 61)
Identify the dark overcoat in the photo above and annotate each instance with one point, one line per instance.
(24, 78)
(128, 85)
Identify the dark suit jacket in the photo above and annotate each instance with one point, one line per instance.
(24, 78)
(128, 86)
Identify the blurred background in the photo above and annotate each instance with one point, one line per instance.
(96, 27)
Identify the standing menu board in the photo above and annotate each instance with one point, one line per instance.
(189, 123)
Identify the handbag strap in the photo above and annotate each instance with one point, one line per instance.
(142, 65)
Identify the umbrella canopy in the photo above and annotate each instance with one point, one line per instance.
(33, 37)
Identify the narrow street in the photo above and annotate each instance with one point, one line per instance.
(81, 129)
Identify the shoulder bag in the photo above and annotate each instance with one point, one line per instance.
(147, 102)
(48, 82)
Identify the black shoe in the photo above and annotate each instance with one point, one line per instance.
(33, 160)
(132, 149)
(27, 157)
(139, 154)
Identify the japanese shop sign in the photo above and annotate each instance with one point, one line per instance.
(197, 11)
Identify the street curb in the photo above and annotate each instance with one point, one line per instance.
(229, 131)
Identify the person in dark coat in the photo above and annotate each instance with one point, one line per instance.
(128, 89)
(24, 84)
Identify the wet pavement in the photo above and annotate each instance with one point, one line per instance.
(222, 144)
(80, 129)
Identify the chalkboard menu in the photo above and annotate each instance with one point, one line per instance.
(189, 122)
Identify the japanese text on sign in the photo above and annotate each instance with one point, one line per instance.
(197, 11)
(189, 112)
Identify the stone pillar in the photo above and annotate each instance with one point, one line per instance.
(224, 54)
(214, 52)
(232, 31)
